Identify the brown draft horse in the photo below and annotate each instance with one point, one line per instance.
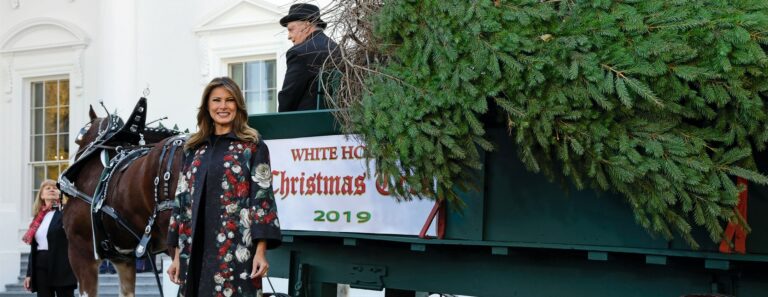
(130, 193)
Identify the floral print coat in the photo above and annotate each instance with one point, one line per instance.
(247, 213)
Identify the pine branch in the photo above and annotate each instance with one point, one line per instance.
(659, 101)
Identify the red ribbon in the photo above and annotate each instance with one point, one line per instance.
(735, 235)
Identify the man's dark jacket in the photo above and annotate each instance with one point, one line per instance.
(59, 272)
(304, 63)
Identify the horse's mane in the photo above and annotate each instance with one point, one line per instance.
(157, 134)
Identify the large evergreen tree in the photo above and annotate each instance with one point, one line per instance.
(659, 100)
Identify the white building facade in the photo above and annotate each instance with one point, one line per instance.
(58, 57)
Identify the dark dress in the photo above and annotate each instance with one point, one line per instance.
(304, 62)
(205, 264)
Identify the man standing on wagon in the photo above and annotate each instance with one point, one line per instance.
(311, 47)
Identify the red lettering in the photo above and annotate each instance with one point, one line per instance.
(331, 184)
(309, 154)
(322, 187)
(301, 184)
(360, 185)
(310, 185)
(293, 185)
(307, 185)
(346, 187)
(359, 152)
(381, 186)
(346, 152)
(332, 151)
(297, 154)
(284, 183)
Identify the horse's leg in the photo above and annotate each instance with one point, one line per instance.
(81, 259)
(86, 270)
(127, 273)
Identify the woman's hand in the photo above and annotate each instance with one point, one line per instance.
(27, 281)
(173, 269)
(260, 264)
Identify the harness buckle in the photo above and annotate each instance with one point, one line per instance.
(157, 180)
(167, 176)
(105, 245)
(148, 229)
(104, 157)
(177, 142)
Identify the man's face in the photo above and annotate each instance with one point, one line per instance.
(298, 31)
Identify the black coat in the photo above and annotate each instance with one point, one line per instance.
(60, 272)
(235, 176)
(304, 62)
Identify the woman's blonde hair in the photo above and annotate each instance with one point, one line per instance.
(39, 199)
(205, 126)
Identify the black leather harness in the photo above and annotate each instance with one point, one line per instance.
(127, 134)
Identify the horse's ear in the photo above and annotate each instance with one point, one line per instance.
(92, 113)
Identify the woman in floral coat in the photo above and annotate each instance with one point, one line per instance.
(225, 217)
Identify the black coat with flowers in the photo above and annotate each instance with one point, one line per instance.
(247, 212)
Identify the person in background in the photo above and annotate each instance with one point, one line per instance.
(225, 215)
(48, 270)
(311, 47)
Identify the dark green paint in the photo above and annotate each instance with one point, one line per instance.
(519, 235)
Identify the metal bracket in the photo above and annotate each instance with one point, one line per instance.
(299, 289)
(141, 248)
(717, 264)
(367, 277)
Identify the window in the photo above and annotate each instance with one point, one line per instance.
(257, 80)
(50, 130)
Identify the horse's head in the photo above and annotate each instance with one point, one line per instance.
(96, 131)
(88, 132)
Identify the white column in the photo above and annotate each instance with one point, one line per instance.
(10, 177)
(117, 65)
(9, 249)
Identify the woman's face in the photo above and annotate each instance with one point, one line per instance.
(222, 108)
(49, 192)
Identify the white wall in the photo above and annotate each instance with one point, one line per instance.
(38, 39)
(167, 59)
